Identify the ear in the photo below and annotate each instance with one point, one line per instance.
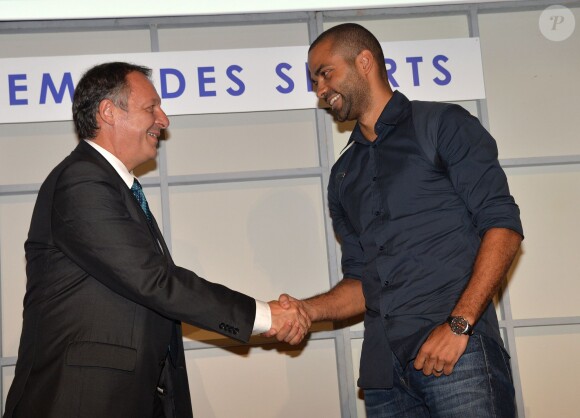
(106, 111)
(365, 61)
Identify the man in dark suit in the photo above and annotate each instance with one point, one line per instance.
(101, 334)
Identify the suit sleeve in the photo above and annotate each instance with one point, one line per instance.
(95, 224)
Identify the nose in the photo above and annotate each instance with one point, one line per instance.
(161, 119)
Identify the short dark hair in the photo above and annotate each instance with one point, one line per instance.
(103, 81)
(350, 39)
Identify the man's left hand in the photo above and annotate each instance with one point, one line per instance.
(440, 351)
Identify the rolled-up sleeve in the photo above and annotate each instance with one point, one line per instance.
(470, 155)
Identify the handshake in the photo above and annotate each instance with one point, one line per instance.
(291, 319)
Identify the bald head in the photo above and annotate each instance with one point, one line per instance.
(349, 40)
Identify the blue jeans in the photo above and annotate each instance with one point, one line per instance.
(480, 386)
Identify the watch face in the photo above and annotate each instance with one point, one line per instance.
(458, 325)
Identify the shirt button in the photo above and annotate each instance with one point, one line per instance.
(381, 248)
(386, 283)
(377, 213)
(386, 316)
(374, 179)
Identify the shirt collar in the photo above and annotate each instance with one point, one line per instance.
(389, 117)
(119, 167)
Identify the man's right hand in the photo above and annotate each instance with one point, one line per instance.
(290, 322)
(343, 301)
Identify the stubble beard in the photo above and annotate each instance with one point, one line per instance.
(355, 99)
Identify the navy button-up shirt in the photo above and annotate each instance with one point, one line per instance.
(410, 228)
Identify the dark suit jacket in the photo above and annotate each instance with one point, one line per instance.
(103, 304)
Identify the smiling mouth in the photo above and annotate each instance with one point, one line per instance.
(154, 135)
(333, 100)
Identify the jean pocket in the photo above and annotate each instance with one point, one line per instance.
(496, 353)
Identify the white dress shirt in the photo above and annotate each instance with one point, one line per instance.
(263, 320)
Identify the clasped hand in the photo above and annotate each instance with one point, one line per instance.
(290, 322)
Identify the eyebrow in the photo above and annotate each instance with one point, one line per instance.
(319, 69)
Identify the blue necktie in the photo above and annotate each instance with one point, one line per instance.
(140, 196)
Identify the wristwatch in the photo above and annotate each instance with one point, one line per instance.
(459, 325)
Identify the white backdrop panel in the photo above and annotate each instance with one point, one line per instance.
(15, 213)
(550, 370)
(263, 382)
(7, 377)
(31, 151)
(242, 142)
(73, 43)
(227, 37)
(261, 238)
(548, 268)
(532, 85)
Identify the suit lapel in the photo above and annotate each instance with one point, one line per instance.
(84, 150)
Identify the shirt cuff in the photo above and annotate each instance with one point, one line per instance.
(263, 321)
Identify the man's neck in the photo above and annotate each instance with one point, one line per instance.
(369, 119)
